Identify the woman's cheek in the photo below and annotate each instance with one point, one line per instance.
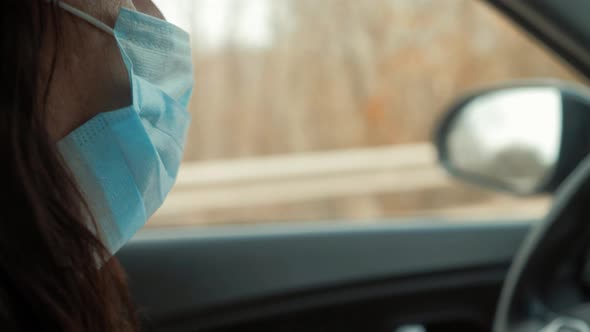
(148, 7)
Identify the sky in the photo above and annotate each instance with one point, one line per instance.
(209, 20)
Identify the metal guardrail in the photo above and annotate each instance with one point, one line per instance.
(268, 181)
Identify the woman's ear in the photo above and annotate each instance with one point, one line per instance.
(148, 7)
(89, 76)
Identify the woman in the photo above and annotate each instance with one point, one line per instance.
(92, 127)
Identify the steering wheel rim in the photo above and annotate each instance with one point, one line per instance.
(561, 232)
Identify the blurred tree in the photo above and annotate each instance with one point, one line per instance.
(342, 74)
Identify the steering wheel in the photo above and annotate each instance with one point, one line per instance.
(545, 289)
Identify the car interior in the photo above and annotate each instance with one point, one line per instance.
(433, 274)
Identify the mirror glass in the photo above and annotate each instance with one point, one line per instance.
(509, 138)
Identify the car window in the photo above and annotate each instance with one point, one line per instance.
(315, 111)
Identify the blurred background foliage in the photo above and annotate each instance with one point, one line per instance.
(284, 77)
(336, 74)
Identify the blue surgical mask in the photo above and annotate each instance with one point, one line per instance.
(126, 161)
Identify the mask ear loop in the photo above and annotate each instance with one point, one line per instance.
(86, 17)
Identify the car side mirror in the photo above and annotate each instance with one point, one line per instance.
(524, 138)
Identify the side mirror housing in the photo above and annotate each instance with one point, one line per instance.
(523, 138)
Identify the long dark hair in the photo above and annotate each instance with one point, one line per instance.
(55, 274)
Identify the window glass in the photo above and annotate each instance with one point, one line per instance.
(308, 110)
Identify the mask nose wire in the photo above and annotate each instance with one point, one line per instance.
(86, 17)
